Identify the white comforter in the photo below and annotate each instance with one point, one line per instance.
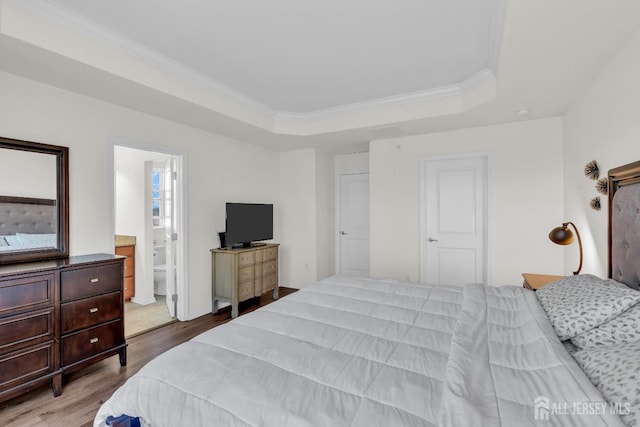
(360, 352)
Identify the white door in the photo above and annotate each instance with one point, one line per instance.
(454, 210)
(354, 224)
(171, 235)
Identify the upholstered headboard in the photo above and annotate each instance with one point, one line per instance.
(624, 224)
(27, 215)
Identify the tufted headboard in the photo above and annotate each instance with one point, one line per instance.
(27, 215)
(624, 224)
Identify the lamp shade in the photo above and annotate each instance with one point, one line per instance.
(561, 235)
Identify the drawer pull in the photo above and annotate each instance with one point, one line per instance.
(94, 280)
(93, 310)
(93, 340)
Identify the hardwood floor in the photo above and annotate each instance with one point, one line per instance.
(84, 391)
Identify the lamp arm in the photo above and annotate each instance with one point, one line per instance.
(579, 246)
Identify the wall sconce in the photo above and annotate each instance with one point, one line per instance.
(564, 236)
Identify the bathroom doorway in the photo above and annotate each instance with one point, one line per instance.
(147, 198)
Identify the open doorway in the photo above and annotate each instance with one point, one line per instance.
(147, 212)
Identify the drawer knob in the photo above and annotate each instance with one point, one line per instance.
(93, 310)
(94, 280)
(93, 340)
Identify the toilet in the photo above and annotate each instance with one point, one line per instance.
(160, 279)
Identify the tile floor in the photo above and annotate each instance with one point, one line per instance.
(140, 318)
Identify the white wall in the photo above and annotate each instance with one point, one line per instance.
(325, 214)
(351, 163)
(526, 193)
(297, 209)
(602, 125)
(306, 216)
(219, 168)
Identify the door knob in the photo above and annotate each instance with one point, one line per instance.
(432, 239)
(344, 233)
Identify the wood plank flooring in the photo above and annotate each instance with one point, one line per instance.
(84, 391)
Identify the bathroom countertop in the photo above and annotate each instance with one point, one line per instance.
(121, 240)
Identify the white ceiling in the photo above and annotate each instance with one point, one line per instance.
(332, 74)
(302, 56)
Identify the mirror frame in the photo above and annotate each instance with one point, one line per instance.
(62, 197)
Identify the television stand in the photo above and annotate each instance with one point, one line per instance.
(240, 274)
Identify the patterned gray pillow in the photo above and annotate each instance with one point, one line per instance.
(576, 304)
(615, 371)
(620, 329)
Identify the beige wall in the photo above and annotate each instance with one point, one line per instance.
(526, 197)
(603, 124)
(219, 169)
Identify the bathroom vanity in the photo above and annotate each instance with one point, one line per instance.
(126, 246)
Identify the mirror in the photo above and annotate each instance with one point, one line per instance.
(34, 201)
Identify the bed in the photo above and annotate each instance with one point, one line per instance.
(362, 352)
(27, 223)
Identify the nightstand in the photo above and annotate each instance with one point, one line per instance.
(536, 281)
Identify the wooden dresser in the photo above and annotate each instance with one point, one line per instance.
(241, 274)
(57, 317)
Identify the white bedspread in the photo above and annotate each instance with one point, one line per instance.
(360, 352)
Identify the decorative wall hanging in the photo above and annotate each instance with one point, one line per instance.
(591, 170)
(602, 186)
(595, 203)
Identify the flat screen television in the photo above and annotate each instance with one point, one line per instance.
(247, 223)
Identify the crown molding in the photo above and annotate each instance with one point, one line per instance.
(451, 99)
(106, 36)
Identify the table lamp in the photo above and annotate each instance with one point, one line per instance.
(563, 236)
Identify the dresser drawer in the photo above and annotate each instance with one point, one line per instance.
(245, 291)
(258, 270)
(89, 342)
(269, 267)
(245, 274)
(246, 259)
(269, 282)
(86, 282)
(26, 328)
(270, 254)
(91, 311)
(26, 293)
(26, 364)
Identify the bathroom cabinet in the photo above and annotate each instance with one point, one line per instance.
(129, 269)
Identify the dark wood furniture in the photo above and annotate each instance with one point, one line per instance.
(241, 274)
(57, 317)
(536, 281)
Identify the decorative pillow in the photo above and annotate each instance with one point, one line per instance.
(576, 304)
(615, 371)
(38, 240)
(620, 329)
(3, 242)
(13, 240)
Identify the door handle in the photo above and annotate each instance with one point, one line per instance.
(344, 233)
(430, 239)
